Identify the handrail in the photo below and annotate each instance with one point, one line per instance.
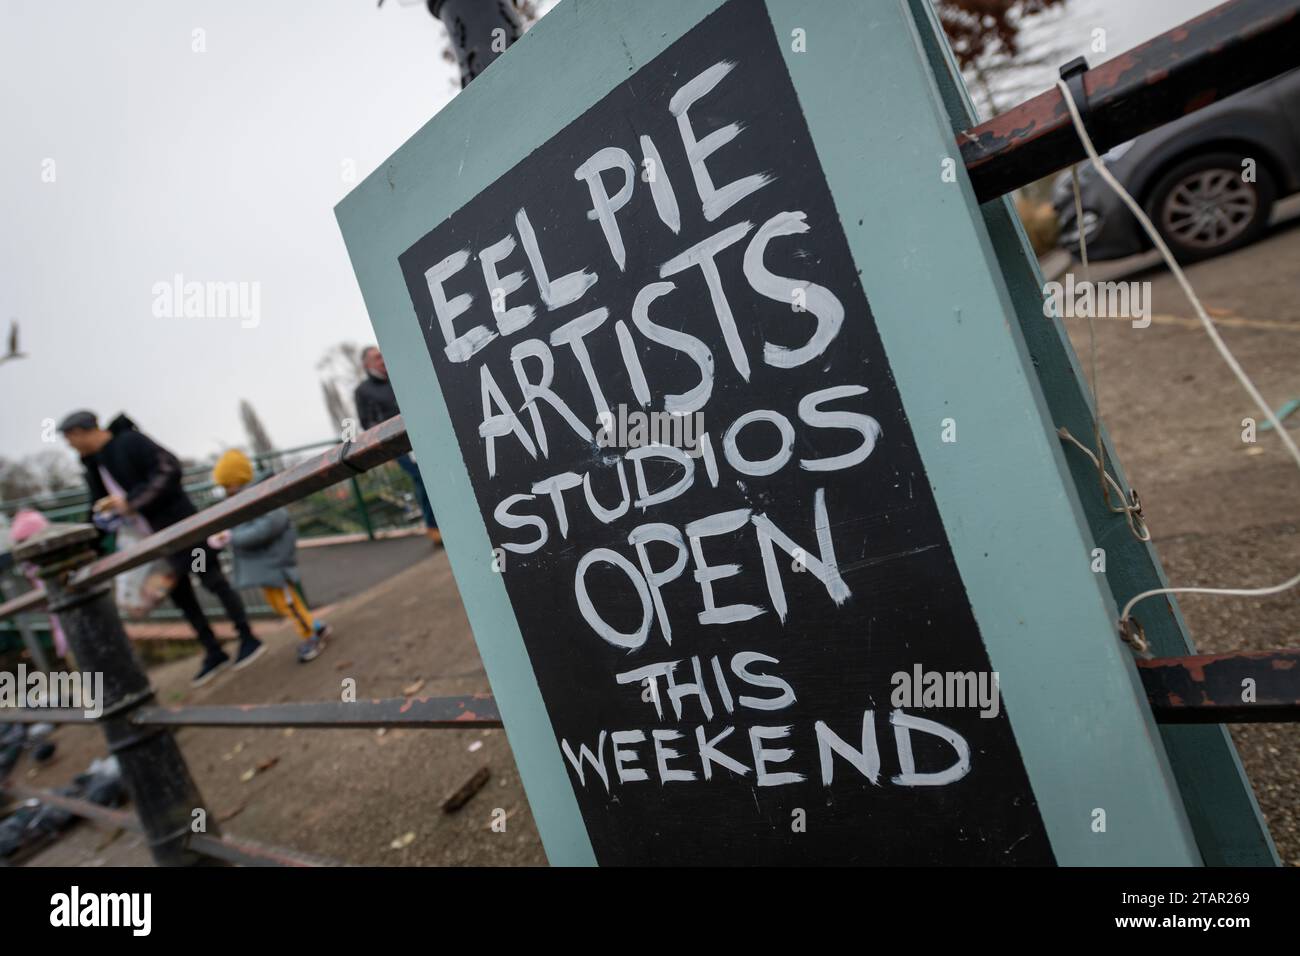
(73, 497)
(226, 848)
(384, 442)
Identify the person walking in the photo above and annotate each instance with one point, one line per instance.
(134, 480)
(376, 403)
(266, 556)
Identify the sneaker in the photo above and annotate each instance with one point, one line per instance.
(250, 649)
(322, 630)
(213, 664)
(310, 649)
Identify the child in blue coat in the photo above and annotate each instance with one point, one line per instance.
(265, 553)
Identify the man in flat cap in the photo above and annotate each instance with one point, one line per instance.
(135, 481)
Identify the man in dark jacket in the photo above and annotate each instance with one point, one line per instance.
(135, 481)
(376, 403)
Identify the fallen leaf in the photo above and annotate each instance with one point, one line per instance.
(476, 745)
(405, 840)
(412, 689)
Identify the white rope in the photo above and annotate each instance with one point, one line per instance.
(1210, 330)
(1132, 511)
(1129, 506)
(1232, 592)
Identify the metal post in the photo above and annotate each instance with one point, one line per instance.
(362, 510)
(27, 633)
(480, 31)
(153, 770)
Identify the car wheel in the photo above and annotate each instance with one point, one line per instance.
(1204, 206)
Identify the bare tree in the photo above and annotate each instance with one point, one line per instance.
(1002, 46)
(339, 408)
(987, 28)
(18, 480)
(259, 441)
(342, 363)
(55, 470)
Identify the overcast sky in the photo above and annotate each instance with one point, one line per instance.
(219, 166)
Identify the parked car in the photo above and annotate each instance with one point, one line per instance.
(1193, 178)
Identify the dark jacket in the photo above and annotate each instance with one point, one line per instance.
(375, 401)
(265, 551)
(148, 473)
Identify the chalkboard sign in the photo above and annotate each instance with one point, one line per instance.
(703, 494)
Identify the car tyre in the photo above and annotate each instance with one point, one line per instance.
(1204, 206)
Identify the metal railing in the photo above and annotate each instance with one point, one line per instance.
(1246, 42)
(374, 504)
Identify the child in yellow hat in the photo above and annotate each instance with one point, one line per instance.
(265, 553)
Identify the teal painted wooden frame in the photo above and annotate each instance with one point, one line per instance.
(946, 316)
(1221, 807)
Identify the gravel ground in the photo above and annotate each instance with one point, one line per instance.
(1222, 512)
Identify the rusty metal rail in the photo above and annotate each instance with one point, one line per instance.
(31, 601)
(105, 816)
(467, 713)
(384, 442)
(242, 852)
(470, 712)
(1228, 49)
(1246, 687)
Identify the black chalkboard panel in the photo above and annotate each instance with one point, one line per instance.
(754, 645)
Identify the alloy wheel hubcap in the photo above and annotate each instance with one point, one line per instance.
(1209, 208)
